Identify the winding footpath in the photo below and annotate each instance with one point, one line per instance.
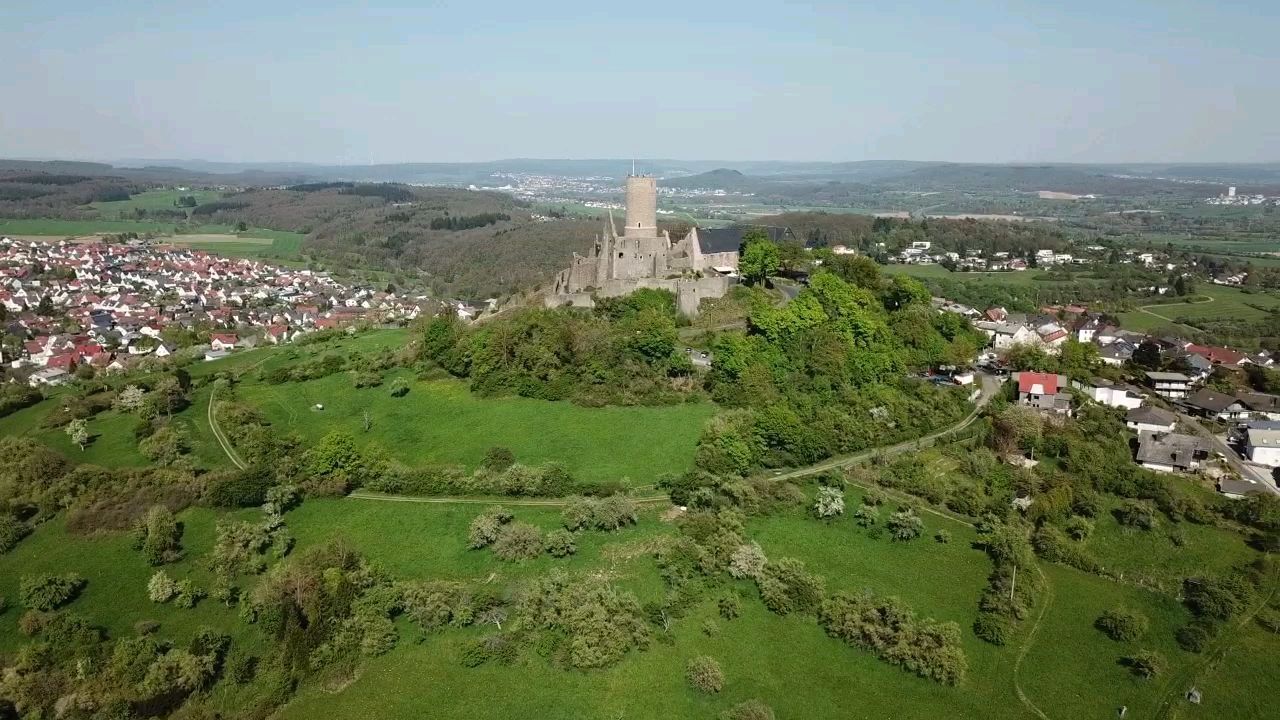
(217, 432)
(1143, 308)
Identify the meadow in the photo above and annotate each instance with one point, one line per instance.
(152, 200)
(1211, 302)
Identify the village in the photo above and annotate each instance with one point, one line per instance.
(105, 307)
(1186, 418)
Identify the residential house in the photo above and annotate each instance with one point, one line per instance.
(1169, 385)
(223, 341)
(1170, 452)
(1261, 405)
(1150, 419)
(1209, 403)
(1262, 443)
(1103, 391)
(1116, 353)
(1220, 355)
(1045, 392)
(49, 376)
(1005, 335)
(1237, 489)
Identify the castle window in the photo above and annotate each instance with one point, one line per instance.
(620, 254)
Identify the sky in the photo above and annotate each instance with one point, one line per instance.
(353, 83)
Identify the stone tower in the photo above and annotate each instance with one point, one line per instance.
(642, 206)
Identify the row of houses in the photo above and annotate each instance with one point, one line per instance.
(109, 304)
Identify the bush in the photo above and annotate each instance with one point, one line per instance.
(830, 502)
(750, 710)
(1145, 664)
(1136, 514)
(49, 592)
(747, 561)
(161, 588)
(704, 675)
(610, 513)
(730, 607)
(518, 541)
(867, 516)
(399, 387)
(885, 627)
(995, 629)
(905, 525)
(785, 586)
(240, 489)
(12, 530)
(942, 536)
(485, 528)
(146, 627)
(1078, 528)
(559, 543)
(158, 536)
(188, 594)
(1268, 618)
(498, 459)
(1122, 624)
(1196, 635)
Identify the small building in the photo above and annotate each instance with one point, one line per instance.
(1045, 392)
(1103, 391)
(1169, 385)
(49, 376)
(211, 355)
(1170, 452)
(1209, 403)
(1150, 419)
(1262, 443)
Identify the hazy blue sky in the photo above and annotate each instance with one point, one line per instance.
(320, 81)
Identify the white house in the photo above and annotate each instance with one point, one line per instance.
(1262, 443)
(1106, 392)
(48, 376)
(1006, 335)
(1169, 385)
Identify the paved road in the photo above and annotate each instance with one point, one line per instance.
(1248, 471)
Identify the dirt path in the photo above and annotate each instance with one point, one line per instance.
(217, 431)
(1028, 643)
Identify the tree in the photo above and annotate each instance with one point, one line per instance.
(905, 524)
(129, 399)
(759, 257)
(747, 561)
(904, 291)
(753, 709)
(498, 459)
(78, 431)
(49, 592)
(830, 502)
(158, 535)
(704, 674)
(166, 445)
(45, 307)
(559, 543)
(1147, 355)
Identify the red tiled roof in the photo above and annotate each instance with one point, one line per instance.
(1028, 380)
(1217, 355)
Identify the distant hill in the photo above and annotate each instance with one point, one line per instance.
(718, 179)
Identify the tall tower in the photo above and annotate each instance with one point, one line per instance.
(642, 206)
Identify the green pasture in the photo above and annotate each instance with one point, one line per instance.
(152, 200)
(1226, 303)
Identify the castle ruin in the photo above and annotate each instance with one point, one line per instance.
(641, 256)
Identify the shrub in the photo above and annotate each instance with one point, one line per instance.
(609, 513)
(753, 709)
(559, 543)
(12, 530)
(485, 528)
(704, 675)
(161, 588)
(885, 627)
(399, 387)
(747, 561)
(244, 488)
(1122, 624)
(241, 666)
(905, 525)
(995, 629)
(188, 594)
(146, 627)
(867, 515)
(1196, 635)
(498, 459)
(830, 502)
(1078, 528)
(1145, 663)
(1268, 618)
(942, 536)
(48, 592)
(785, 586)
(518, 541)
(874, 497)
(1136, 514)
(730, 607)
(158, 536)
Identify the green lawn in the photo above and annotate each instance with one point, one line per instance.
(442, 422)
(1228, 303)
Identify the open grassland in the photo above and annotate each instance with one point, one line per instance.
(217, 239)
(442, 422)
(152, 200)
(1224, 303)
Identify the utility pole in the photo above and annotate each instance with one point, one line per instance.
(1013, 585)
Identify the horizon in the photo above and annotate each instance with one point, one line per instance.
(1021, 83)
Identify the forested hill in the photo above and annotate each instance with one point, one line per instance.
(470, 244)
(865, 233)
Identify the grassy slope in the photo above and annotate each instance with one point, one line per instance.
(1228, 303)
(441, 421)
(152, 200)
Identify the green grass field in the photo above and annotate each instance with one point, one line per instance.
(152, 200)
(1228, 303)
(442, 422)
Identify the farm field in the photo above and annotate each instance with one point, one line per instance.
(217, 239)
